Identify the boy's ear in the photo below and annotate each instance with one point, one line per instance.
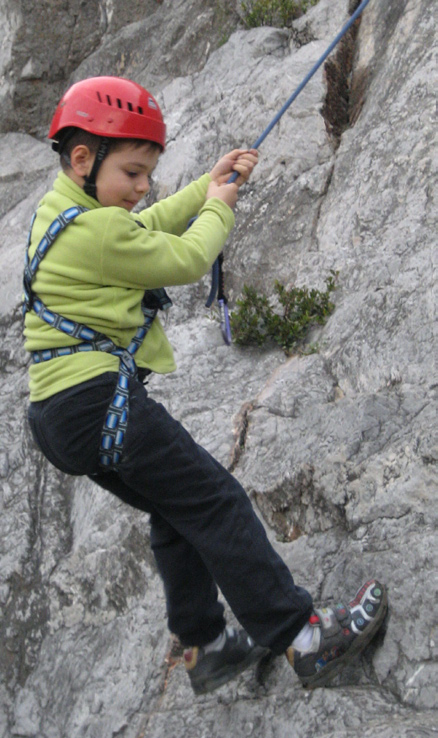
(81, 160)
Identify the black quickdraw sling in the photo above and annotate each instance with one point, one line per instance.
(116, 420)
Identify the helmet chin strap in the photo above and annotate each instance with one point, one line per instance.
(90, 179)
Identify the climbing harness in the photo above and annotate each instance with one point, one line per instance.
(116, 420)
(217, 283)
(111, 108)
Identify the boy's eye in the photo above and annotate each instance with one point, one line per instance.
(132, 174)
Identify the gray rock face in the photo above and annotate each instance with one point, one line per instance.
(337, 449)
(50, 43)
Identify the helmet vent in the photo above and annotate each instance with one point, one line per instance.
(120, 103)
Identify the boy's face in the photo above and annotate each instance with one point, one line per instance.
(123, 177)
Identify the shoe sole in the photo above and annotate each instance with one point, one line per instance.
(228, 672)
(328, 672)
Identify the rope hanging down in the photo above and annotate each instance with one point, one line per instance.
(217, 276)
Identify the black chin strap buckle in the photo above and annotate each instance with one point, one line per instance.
(90, 188)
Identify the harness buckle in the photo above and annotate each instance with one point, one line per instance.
(128, 362)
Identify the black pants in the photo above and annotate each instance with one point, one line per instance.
(204, 532)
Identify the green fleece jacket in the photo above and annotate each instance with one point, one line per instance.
(99, 267)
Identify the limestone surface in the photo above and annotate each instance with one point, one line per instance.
(336, 444)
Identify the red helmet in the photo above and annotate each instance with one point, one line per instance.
(112, 107)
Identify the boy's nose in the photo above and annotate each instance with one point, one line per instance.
(143, 185)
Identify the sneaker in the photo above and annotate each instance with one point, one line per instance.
(208, 668)
(340, 633)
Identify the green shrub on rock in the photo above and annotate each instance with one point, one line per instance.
(255, 320)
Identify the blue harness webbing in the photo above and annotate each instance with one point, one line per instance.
(116, 420)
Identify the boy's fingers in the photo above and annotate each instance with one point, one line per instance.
(238, 152)
(247, 161)
(241, 161)
(244, 169)
(241, 155)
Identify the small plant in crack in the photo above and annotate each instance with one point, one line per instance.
(256, 320)
(274, 12)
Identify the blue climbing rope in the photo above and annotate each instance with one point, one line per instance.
(216, 270)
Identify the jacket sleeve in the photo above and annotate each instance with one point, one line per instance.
(173, 213)
(140, 258)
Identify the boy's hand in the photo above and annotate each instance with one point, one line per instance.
(239, 160)
(225, 192)
(242, 161)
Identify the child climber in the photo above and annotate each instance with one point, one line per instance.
(94, 282)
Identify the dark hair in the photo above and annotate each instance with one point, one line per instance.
(69, 138)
